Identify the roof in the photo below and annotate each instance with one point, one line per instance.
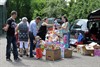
(2, 2)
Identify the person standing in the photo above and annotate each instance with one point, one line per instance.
(43, 29)
(65, 30)
(23, 32)
(33, 30)
(10, 29)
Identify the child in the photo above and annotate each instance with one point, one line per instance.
(38, 49)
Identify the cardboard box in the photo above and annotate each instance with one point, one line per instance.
(85, 50)
(68, 53)
(81, 49)
(53, 54)
(97, 52)
(96, 47)
(89, 50)
(92, 44)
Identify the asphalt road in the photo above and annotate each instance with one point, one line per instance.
(76, 61)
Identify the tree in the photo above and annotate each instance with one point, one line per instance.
(49, 8)
(37, 6)
(53, 8)
(81, 9)
(21, 6)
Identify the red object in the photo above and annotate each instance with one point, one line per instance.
(93, 37)
(38, 53)
(86, 33)
(50, 29)
(17, 40)
(77, 43)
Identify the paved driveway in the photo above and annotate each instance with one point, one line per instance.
(77, 60)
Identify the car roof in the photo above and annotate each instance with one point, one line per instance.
(81, 21)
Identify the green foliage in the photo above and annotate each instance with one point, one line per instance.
(53, 8)
(21, 6)
(37, 6)
(82, 8)
(49, 8)
(56, 8)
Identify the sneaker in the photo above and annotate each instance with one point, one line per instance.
(8, 59)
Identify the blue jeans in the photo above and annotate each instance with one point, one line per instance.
(11, 40)
(32, 45)
(68, 38)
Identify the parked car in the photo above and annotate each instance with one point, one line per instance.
(93, 26)
(78, 26)
(90, 28)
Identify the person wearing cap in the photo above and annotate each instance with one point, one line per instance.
(33, 30)
(23, 32)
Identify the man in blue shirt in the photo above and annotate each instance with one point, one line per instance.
(33, 29)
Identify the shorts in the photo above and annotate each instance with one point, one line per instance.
(23, 44)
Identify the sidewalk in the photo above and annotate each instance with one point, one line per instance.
(77, 60)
